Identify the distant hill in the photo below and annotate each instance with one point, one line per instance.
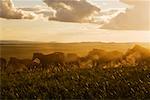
(54, 42)
(16, 42)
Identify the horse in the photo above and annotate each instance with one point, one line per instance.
(53, 59)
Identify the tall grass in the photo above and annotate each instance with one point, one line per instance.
(93, 83)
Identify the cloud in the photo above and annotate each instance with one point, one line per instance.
(106, 15)
(135, 18)
(72, 10)
(45, 11)
(8, 11)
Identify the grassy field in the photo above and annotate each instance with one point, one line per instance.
(112, 83)
(25, 50)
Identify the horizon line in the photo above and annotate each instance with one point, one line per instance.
(71, 42)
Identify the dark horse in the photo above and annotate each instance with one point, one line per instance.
(54, 59)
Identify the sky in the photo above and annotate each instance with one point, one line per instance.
(75, 20)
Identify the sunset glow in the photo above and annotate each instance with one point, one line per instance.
(75, 29)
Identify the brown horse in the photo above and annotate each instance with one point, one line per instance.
(53, 59)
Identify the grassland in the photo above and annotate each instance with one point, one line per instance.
(124, 82)
(112, 83)
(26, 49)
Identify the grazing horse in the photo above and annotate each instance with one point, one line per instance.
(53, 59)
(3, 63)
